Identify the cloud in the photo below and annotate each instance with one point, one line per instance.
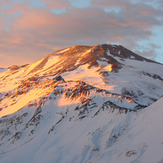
(36, 32)
(149, 51)
(57, 4)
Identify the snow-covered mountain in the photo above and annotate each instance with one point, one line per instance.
(83, 104)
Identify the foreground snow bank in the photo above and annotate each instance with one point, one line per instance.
(143, 141)
(55, 134)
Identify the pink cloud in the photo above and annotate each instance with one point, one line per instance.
(33, 19)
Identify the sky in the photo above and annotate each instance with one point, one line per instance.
(32, 29)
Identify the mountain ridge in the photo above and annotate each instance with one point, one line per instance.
(102, 66)
(89, 98)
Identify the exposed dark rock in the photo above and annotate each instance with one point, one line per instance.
(14, 67)
(59, 78)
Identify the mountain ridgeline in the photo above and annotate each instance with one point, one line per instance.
(88, 98)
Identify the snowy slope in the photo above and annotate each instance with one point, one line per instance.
(82, 104)
(66, 134)
(142, 142)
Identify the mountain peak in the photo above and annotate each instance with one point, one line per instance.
(109, 67)
(50, 103)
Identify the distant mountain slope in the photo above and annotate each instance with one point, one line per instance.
(3, 70)
(82, 104)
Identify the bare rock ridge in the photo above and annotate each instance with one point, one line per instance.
(73, 57)
(122, 52)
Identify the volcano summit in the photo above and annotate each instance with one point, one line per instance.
(83, 104)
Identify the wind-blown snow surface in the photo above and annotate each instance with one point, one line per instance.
(82, 104)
